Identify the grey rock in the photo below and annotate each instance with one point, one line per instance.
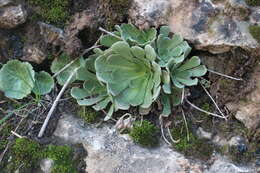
(222, 165)
(111, 152)
(215, 26)
(146, 13)
(46, 165)
(12, 16)
(211, 27)
(51, 34)
(33, 54)
(203, 134)
(255, 17)
(248, 110)
(5, 2)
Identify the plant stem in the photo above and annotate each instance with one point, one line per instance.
(201, 110)
(55, 104)
(213, 101)
(109, 33)
(186, 124)
(224, 75)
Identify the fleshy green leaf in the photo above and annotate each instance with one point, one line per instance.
(16, 79)
(138, 37)
(44, 83)
(109, 40)
(185, 74)
(59, 63)
(173, 49)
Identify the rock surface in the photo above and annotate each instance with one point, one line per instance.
(111, 153)
(214, 26)
(12, 16)
(248, 110)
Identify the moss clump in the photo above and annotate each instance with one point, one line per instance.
(52, 11)
(4, 134)
(253, 2)
(255, 32)
(145, 134)
(193, 147)
(25, 153)
(62, 157)
(88, 114)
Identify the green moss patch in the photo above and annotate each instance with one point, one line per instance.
(253, 2)
(88, 114)
(198, 148)
(52, 11)
(255, 32)
(26, 154)
(145, 134)
(62, 157)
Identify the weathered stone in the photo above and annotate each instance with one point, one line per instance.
(111, 152)
(5, 2)
(46, 165)
(51, 34)
(222, 165)
(203, 134)
(33, 53)
(12, 16)
(248, 109)
(255, 17)
(147, 13)
(214, 26)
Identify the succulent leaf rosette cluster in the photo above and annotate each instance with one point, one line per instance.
(136, 68)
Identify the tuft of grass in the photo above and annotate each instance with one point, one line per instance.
(145, 134)
(253, 2)
(255, 32)
(88, 114)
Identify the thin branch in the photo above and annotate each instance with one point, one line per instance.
(186, 124)
(109, 33)
(162, 132)
(84, 52)
(224, 75)
(89, 49)
(213, 101)
(65, 67)
(182, 95)
(55, 104)
(16, 134)
(173, 140)
(201, 110)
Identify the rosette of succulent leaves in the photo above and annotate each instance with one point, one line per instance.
(137, 68)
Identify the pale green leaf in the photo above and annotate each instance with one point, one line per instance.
(44, 83)
(17, 79)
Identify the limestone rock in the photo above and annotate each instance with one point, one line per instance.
(5, 2)
(46, 165)
(146, 13)
(33, 54)
(12, 16)
(111, 152)
(248, 109)
(215, 26)
(51, 34)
